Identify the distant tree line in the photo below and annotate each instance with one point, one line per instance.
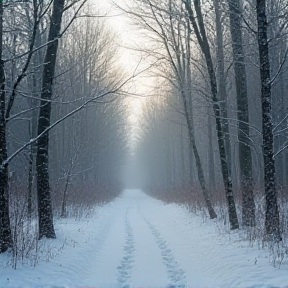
(220, 119)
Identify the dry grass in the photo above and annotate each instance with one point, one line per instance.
(81, 203)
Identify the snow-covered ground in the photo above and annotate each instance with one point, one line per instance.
(137, 241)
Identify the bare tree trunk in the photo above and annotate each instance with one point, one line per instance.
(5, 229)
(211, 168)
(46, 227)
(30, 183)
(191, 166)
(65, 196)
(200, 32)
(184, 177)
(188, 108)
(201, 177)
(34, 102)
(272, 225)
(222, 83)
(245, 154)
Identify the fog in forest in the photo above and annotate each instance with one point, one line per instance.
(183, 100)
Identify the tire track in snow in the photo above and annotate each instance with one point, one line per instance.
(126, 265)
(175, 274)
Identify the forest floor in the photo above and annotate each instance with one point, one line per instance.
(137, 241)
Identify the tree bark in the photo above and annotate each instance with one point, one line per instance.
(222, 83)
(201, 177)
(5, 229)
(45, 215)
(188, 108)
(65, 196)
(272, 224)
(245, 154)
(211, 162)
(30, 181)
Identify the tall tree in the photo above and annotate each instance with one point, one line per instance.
(5, 230)
(245, 154)
(45, 215)
(272, 224)
(200, 32)
(222, 81)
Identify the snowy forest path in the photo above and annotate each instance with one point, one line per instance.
(153, 244)
(165, 245)
(138, 241)
(133, 252)
(146, 254)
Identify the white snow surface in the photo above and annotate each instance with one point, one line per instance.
(137, 241)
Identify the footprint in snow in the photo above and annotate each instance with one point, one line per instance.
(175, 274)
(124, 269)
